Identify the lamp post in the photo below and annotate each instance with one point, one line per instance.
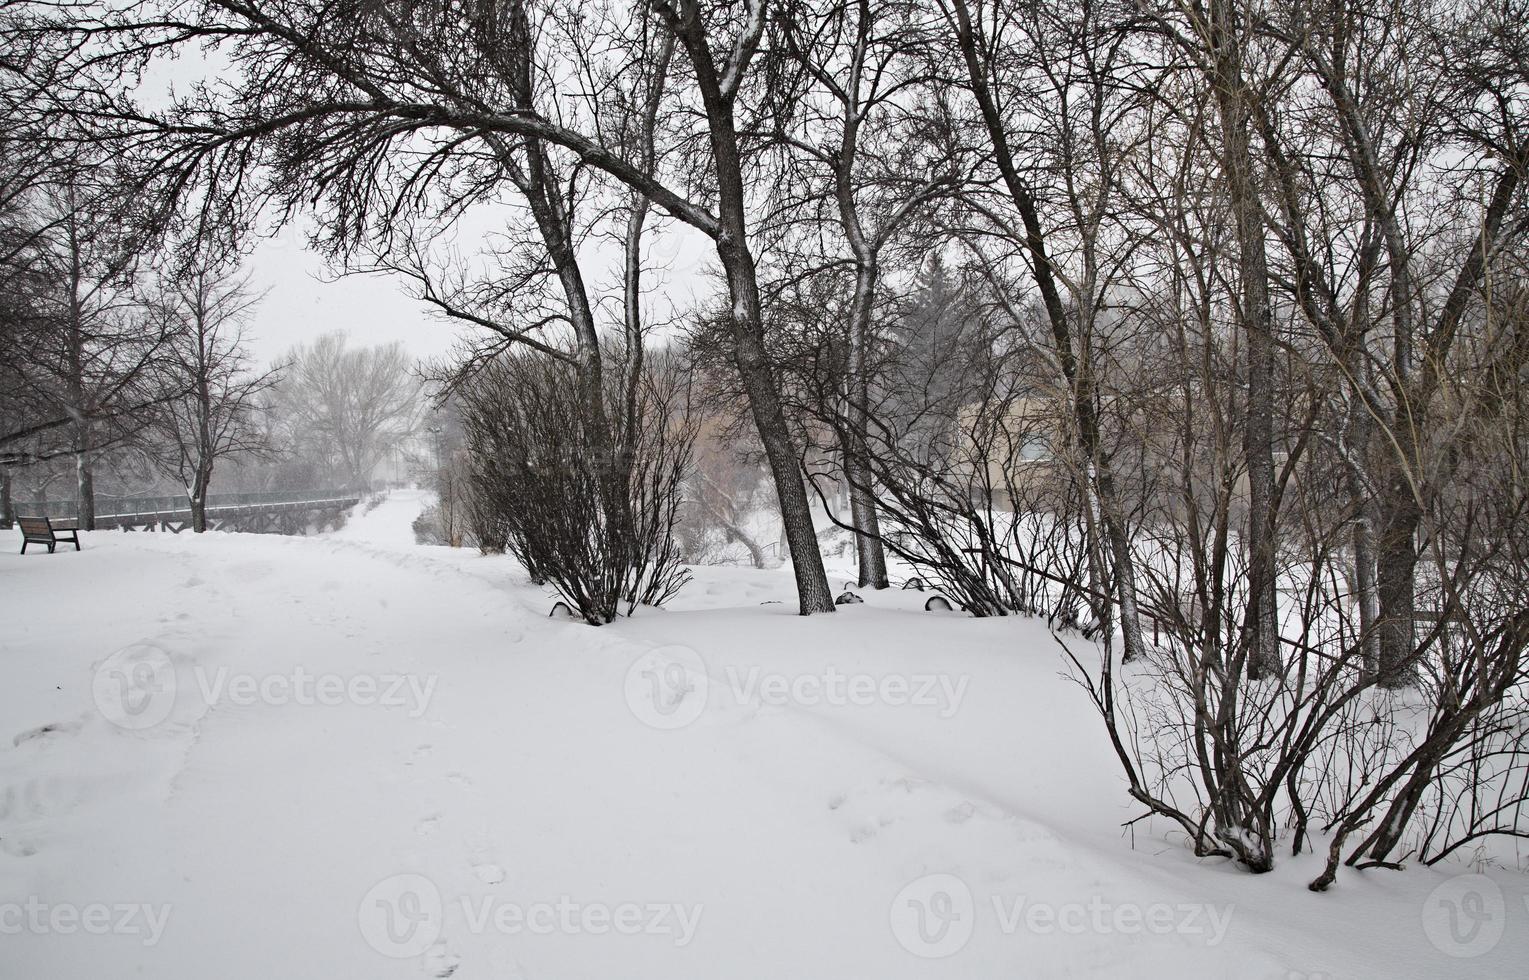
(435, 432)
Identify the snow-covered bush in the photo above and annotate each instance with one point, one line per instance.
(427, 527)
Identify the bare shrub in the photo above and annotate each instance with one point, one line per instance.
(599, 529)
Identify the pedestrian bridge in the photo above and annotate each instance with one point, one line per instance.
(282, 512)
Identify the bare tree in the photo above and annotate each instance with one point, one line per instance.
(348, 406)
(207, 302)
(871, 150)
(84, 346)
(998, 78)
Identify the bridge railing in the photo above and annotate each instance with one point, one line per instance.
(125, 506)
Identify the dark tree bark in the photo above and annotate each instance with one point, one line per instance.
(719, 89)
(1256, 317)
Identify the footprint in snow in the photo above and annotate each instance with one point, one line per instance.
(428, 826)
(441, 962)
(489, 874)
(862, 833)
(39, 797)
(16, 847)
(45, 731)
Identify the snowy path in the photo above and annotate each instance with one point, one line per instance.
(964, 820)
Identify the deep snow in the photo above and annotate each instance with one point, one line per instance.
(403, 755)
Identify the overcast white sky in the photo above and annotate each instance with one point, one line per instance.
(299, 305)
(303, 300)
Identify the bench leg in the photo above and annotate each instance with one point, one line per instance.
(51, 546)
(23, 546)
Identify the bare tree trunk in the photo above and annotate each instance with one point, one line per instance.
(85, 488)
(870, 555)
(85, 482)
(1369, 596)
(718, 91)
(199, 503)
(7, 506)
(647, 124)
(753, 365)
(1356, 437)
(1396, 574)
(738, 534)
(205, 446)
(1124, 568)
(1261, 624)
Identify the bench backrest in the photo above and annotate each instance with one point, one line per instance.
(35, 526)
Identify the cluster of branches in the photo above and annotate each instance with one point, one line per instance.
(1199, 320)
(539, 484)
(118, 340)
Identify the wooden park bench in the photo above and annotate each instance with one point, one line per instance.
(40, 530)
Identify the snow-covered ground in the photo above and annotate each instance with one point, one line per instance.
(350, 756)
